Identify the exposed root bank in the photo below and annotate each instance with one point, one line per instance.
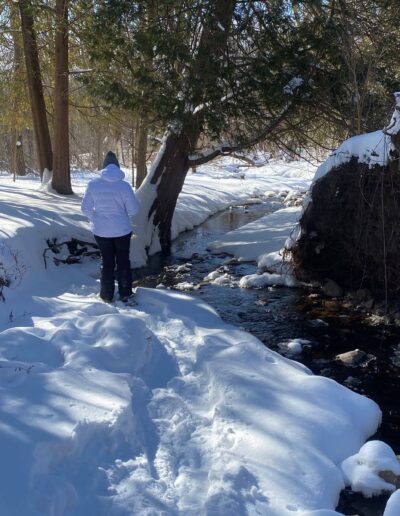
(350, 232)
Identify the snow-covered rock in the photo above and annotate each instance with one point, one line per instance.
(220, 277)
(361, 471)
(185, 286)
(393, 505)
(295, 346)
(267, 279)
(351, 358)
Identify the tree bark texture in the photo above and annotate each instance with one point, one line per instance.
(169, 175)
(99, 148)
(133, 153)
(35, 87)
(141, 155)
(18, 160)
(61, 181)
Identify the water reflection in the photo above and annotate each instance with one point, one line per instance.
(196, 240)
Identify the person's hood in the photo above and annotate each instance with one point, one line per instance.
(112, 173)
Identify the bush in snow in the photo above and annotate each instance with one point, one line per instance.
(11, 270)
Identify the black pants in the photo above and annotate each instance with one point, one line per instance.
(115, 251)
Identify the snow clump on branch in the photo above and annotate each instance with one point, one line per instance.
(292, 85)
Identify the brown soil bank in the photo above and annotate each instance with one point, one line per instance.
(350, 232)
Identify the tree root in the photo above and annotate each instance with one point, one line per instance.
(77, 250)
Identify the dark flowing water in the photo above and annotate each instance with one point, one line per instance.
(278, 315)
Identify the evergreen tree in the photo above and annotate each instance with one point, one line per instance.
(227, 73)
(362, 65)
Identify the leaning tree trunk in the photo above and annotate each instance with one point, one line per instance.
(61, 174)
(160, 190)
(35, 87)
(169, 176)
(158, 196)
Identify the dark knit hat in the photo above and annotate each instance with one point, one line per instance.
(110, 159)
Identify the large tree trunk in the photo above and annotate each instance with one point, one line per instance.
(160, 190)
(61, 174)
(169, 176)
(141, 155)
(18, 160)
(158, 195)
(35, 86)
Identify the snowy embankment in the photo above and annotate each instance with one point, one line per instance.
(157, 409)
(217, 186)
(263, 236)
(262, 241)
(107, 410)
(211, 189)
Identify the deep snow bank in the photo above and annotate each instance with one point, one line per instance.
(108, 410)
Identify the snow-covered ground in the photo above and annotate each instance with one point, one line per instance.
(161, 408)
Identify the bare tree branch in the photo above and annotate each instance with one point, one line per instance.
(229, 148)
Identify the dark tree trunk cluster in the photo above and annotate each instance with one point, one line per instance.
(141, 154)
(18, 160)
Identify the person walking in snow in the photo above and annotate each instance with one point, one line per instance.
(108, 203)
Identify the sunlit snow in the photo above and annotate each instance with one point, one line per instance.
(160, 408)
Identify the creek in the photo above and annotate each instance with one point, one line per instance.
(277, 315)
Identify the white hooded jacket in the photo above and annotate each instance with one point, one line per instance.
(109, 202)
